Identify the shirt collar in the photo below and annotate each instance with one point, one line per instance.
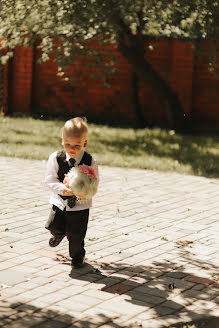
(77, 158)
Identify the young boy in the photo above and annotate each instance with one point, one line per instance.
(70, 213)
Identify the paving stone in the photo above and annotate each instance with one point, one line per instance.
(200, 280)
(26, 322)
(12, 277)
(118, 289)
(51, 324)
(148, 299)
(177, 275)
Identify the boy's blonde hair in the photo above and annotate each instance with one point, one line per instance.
(76, 126)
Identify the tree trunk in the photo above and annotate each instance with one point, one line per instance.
(167, 97)
(132, 48)
(135, 99)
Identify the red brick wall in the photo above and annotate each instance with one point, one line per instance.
(88, 96)
(205, 93)
(35, 87)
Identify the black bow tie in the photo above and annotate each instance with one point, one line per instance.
(71, 199)
(71, 162)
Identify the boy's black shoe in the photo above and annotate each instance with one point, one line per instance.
(77, 262)
(55, 241)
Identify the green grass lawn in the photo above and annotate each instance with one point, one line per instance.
(154, 149)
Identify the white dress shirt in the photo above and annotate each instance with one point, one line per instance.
(57, 187)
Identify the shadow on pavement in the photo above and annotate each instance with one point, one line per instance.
(163, 286)
(166, 287)
(26, 315)
(202, 323)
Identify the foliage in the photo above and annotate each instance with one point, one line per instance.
(66, 27)
(22, 22)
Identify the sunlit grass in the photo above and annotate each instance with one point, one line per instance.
(141, 148)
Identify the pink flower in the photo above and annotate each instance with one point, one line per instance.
(88, 170)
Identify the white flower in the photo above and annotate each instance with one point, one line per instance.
(81, 184)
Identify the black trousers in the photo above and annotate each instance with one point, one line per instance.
(73, 225)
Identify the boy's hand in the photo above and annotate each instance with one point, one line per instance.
(81, 196)
(68, 192)
(66, 182)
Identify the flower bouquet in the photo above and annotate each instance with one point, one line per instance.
(82, 180)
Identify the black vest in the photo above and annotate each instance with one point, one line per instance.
(64, 166)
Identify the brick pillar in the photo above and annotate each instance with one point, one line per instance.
(20, 80)
(1, 87)
(5, 89)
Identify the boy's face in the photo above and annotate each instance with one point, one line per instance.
(73, 145)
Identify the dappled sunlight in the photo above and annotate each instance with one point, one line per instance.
(24, 314)
(187, 154)
(153, 149)
(150, 252)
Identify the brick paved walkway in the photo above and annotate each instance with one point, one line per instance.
(152, 248)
